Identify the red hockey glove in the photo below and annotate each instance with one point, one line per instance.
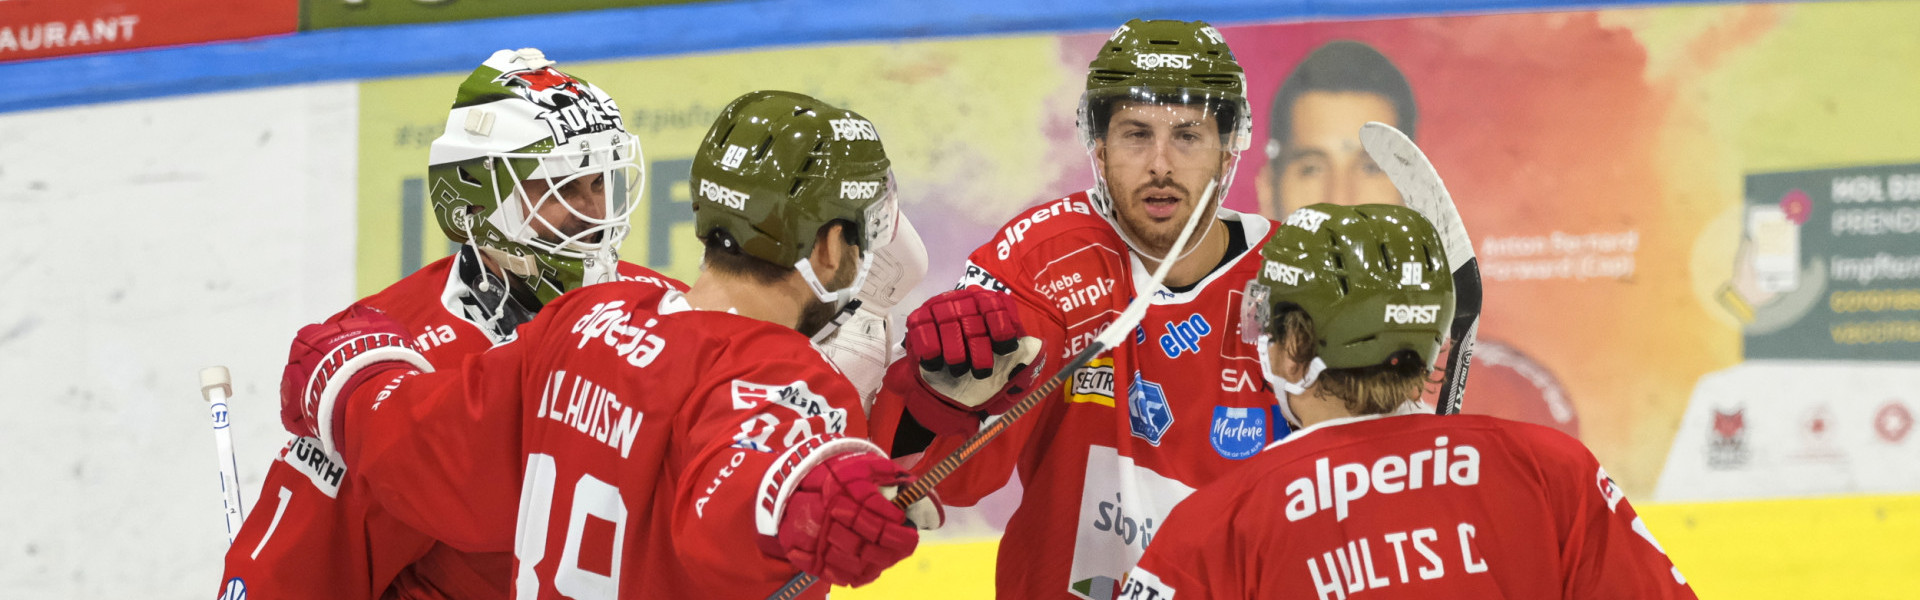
(968, 357)
(840, 526)
(330, 360)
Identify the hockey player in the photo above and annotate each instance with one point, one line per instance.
(1181, 403)
(536, 177)
(1372, 497)
(654, 443)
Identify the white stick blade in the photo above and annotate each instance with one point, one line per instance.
(1419, 185)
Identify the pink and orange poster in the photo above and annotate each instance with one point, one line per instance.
(1699, 226)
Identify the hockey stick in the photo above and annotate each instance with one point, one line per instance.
(1420, 185)
(1108, 338)
(216, 385)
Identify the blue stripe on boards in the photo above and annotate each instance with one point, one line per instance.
(402, 50)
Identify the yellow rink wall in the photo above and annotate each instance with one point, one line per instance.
(1853, 547)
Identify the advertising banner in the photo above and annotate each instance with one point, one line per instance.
(1657, 195)
(44, 28)
(323, 14)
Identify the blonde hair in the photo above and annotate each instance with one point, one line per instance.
(1371, 390)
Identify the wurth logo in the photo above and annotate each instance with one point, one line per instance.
(1402, 314)
(859, 190)
(1162, 61)
(1287, 274)
(722, 195)
(853, 129)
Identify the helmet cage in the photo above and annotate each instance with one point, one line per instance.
(518, 216)
(1229, 111)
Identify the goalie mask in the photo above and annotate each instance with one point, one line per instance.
(777, 167)
(1373, 279)
(1165, 96)
(536, 170)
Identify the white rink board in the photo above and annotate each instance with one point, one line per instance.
(1782, 429)
(139, 242)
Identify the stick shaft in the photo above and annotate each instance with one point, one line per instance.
(229, 469)
(1412, 173)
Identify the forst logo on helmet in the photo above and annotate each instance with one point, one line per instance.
(571, 108)
(1150, 61)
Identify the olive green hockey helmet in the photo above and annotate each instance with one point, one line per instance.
(1181, 62)
(778, 166)
(522, 135)
(1147, 69)
(1373, 278)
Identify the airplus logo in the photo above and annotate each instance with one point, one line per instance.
(853, 129)
(1287, 274)
(722, 195)
(859, 190)
(1402, 314)
(1184, 336)
(1162, 61)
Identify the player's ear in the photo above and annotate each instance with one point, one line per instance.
(829, 250)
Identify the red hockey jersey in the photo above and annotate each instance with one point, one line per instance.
(1415, 506)
(315, 533)
(643, 448)
(1175, 406)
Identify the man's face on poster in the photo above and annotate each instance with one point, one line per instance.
(1323, 160)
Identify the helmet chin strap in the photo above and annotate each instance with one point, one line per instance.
(1282, 388)
(843, 297)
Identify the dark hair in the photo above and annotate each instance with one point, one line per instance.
(723, 255)
(1225, 113)
(1342, 66)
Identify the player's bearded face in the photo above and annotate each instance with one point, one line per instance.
(585, 195)
(1157, 159)
(817, 314)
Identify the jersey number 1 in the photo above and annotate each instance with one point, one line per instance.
(591, 496)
